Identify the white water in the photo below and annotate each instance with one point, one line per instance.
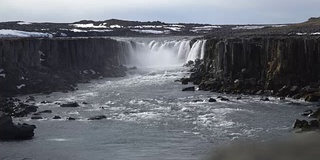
(159, 52)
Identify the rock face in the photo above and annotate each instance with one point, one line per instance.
(10, 131)
(46, 65)
(282, 65)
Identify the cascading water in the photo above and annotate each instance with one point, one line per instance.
(160, 52)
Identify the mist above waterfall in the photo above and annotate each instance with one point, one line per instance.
(160, 53)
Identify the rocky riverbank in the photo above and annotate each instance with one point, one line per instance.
(30, 66)
(269, 66)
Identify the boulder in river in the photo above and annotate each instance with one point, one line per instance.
(189, 89)
(223, 98)
(212, 100)
(11, 131)
(70, 104)
(97, 117)
(56, 117)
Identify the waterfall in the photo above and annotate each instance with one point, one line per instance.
(160, 52)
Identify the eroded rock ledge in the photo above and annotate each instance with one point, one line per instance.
(47, 65)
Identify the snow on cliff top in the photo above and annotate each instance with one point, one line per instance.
(89, 25)
(5, 33)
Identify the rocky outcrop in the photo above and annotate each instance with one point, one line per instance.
(11, 131)
(282, 66)
(46, 65)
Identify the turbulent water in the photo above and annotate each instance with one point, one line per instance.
(148, 116)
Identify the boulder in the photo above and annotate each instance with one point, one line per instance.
(70, 104)
(307, 112)
(189, 89)
(185, 81)
(36, 117)
(197, 100)
(212, 100)
(223, 98)
(265, 99)
(71, 118)
(56, 117)
(97, 117)
(315, 114)
(300, 124)
(11, 131)
(45, 111)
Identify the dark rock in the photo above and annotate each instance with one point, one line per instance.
(315, 114)
(10, 131)
(314, 124)
(189, 63)
(45, 111)
(238, 98)
(307, 112)
(189, 89)
(85, 103)
(313, 97)
(223, 98)
(97, 117)
(70, 104)
(185, 81)
(36, 117)
(282, 98)
(56, 117)
(212, 100)
(45, 102)
(265, 99)
(71, 118)
(300, 124)
(197, 100)
(30, 98)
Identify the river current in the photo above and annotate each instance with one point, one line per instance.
(149, 118)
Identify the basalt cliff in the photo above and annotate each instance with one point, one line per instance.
(46, 65)
(283, 66)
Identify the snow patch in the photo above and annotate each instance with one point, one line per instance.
(116, 26)
(146, 26)
(148, 31)
(20, 86)
(103, 30)
(248, 27)
(316, 33)
(77, 30)
(278, 25)
(24, 23)
(63, 35)
(16, 33)
(204, 28)
(301, 34)
(89, 25)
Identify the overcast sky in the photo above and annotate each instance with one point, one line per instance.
(198, 11)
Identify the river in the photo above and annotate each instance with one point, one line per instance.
(149, 118)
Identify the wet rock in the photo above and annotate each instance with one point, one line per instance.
(265, 99)
(30, 98)
(11, 131)
(45, 111)
(36, 117)
(71, 118)
(23, 110)
(56, 117)
(238, 98)
(223, 98)
(189, 89)
(212, 100)
(300, 124)
(197, 100)
(185, 81)
(45, 102)
(313, 97)
(313, 124)
(315, 114)
(282, 98)
(85, 103)
(97, 117)
(189, 63)
(70, 104)
(307, 112)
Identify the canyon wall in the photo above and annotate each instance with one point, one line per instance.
(46, 65)
(250, 65)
